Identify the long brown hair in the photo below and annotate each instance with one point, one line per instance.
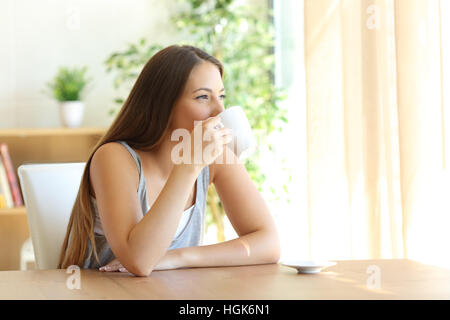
(142, 122)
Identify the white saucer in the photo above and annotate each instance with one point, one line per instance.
(308, 266)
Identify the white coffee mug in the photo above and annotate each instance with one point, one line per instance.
(243, 143)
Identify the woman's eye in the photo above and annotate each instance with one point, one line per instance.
(223, 96)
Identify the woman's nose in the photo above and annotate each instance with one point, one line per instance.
(216, 109)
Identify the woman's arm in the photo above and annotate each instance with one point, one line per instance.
(247, 211)
(140, 242)
(151, 237)
(258, 247)
(258, 241)
(137, 241)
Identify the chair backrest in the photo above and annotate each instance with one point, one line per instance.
(49, 192)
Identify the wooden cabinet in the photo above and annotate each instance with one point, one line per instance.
(38, 146)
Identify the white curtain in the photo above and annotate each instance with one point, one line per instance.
(377, 129)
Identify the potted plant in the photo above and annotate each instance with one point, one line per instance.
(67, 88)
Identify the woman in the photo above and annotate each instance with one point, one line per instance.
(138, 209)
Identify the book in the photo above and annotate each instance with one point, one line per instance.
(11, 175)
(2, 202)
(5, 185)
(2, 199)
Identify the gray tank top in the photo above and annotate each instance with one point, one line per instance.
(190, 235)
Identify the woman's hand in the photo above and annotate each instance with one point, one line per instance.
(113, 266)
(214, 136)
(171, 260)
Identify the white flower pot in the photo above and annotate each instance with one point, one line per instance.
(71, 113)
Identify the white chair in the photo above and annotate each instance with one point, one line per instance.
(26, 254)
(49, 192)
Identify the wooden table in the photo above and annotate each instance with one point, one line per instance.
(399, 279)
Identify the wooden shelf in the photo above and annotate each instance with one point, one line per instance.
(26, 132)
(38, 145)
(15, 210)
(49, 145)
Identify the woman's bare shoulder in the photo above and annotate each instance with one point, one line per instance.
(112, 159)
(112, 153)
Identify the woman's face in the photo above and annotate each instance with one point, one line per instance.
(203, 97)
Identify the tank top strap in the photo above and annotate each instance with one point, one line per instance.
(137, 160)
(204, 180)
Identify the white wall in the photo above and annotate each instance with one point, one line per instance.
(36, 37)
